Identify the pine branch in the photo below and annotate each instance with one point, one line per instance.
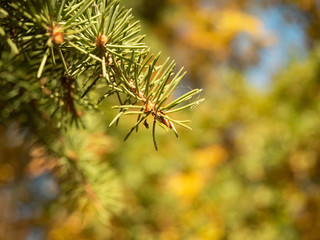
(74, 46)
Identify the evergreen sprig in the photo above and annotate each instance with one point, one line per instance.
(75, 46)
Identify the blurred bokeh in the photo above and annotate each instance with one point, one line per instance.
(250, 169)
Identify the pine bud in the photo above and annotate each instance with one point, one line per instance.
(57, 35)
(101, 40)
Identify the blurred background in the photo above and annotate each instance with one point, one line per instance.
(250, 169)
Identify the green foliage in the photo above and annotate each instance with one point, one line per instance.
(80, 49)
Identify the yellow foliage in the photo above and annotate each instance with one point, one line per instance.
(186, 185)
(210, 233)
(209, 157)
(231, 22)
(70, 228)
(214, 30)
(204, 226)
(189, 184)
(170, 234)
(6, 173)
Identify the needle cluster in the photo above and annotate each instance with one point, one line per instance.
(74, 47)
